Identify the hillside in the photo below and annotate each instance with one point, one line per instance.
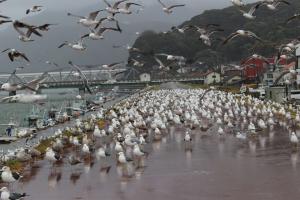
(269, 25)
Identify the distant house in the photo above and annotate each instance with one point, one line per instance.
(145, 77)
(211, 78)
(255, 67)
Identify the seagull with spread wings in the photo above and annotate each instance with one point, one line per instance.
(275, 4)
(113, 9)
(98, 35)
(250, 13)
(79, 45)
(162, 66)
(241, 33)
(125, 10)
(169, 9)
(25, 36)
(106, 66)
(89, 20)
(14, 54)
(34, 9)
(292, 18)
(82, 76)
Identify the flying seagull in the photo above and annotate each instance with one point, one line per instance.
(242, 33)
(5, 20)
(256, 56)
(82, 75)
(135, 63)
(275, 4)
(89, 20)
(76, 46)
(52, 63)
(126, 10)
(168, 9)
(162, 65)
(34, 9)
(238, 3)
(113, 9)
(112, 65)
(25, 37)
(250, 13)
(45, 27)
(14, 54)
(181, 30)
(97, 35)
(295, 16)
(206, 37)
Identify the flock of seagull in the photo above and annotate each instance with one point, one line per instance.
(148, 117)
(97, 30)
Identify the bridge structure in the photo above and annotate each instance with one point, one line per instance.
(102, 79)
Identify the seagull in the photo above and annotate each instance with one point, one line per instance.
(76, 46)
(293, 138)
(275, 4)
(82, 75)
(111, 65)
(256, 56)
(242, 33)
(51, 155)
(295, 16)
(6, 195)
(187, 137)
(181, 30)
(126, 10)
(136, 63)
(45, 27)
(52, 63)
(205, 37)
(238, 3)
(162, 65)
(113, 9)
(172, 57)
(25, 37)
(23, 98)
(168, 9)
(8, 176)
(13, 54)
(87, 21)
(97, 35)
(203, 29)
(249, 14)
(34, 9)
(4, 20)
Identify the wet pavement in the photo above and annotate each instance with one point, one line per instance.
(210, 168)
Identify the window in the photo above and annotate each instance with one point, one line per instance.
(269, 75)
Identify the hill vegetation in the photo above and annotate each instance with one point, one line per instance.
(268, 25)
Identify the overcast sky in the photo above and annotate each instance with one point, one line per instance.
(98, 52)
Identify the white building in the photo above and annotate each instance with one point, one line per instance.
(145, 77)
(211, 78)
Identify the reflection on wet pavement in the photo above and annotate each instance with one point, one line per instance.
(209, 168)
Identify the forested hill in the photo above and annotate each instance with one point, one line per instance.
(268, 25)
